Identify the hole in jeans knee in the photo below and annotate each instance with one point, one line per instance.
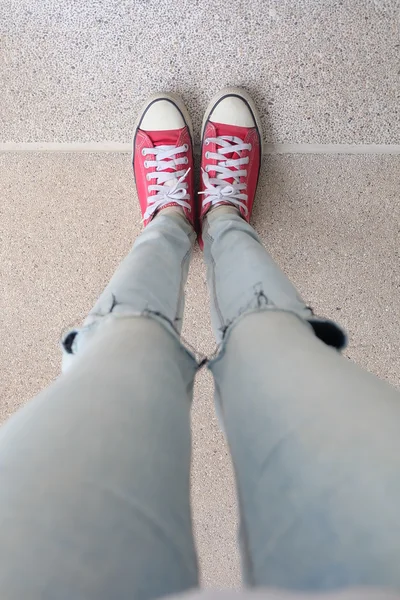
(329, 333)
(68, 341)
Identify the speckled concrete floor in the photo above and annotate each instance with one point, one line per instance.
(321, 72)
(332, 223)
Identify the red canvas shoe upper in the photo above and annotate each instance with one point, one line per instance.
(230, 154)
(230, 164)
(163, 169)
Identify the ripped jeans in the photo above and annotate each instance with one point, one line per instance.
(94, 474)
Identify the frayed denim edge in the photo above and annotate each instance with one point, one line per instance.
(69, 340)
(325, 330)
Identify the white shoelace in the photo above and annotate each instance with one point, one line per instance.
(169, 185)
(217, 188)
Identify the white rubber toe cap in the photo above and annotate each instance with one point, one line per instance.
(162, 115)
(232, 110)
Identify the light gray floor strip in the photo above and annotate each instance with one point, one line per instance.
(269, 148)
(332, 148)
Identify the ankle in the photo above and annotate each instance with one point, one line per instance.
(174, 212)
(220, 210)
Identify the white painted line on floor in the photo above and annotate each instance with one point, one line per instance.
(269, 148)
(332, 148)
(65, 147)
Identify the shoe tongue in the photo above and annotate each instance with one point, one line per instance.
(232, 130)
(228, 130)
(168, 137)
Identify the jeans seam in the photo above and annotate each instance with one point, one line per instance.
(214, 283)
(244, 546)
(246, 556)
(181, 286)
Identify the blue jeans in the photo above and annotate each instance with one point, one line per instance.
(94, 472)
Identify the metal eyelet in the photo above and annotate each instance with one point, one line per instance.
(146, 164)
(148, 176)
(186, 147)
(206, 142)
(186, 160)
(207, 155)
(207, 168)
(251, 148)
(144, 152)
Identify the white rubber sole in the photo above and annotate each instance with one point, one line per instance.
(234, 91)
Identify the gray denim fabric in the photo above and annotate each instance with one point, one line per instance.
(242, 278)
(149, 281)
(94, 472)
(271, 594)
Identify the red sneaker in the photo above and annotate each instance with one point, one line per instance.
(163, 157)
(230, 153)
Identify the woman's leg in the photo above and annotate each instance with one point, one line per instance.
(94, 472)
(314, 439)
(149, 281)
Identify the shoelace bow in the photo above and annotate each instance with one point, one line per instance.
(217, 188)
(169, 185)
